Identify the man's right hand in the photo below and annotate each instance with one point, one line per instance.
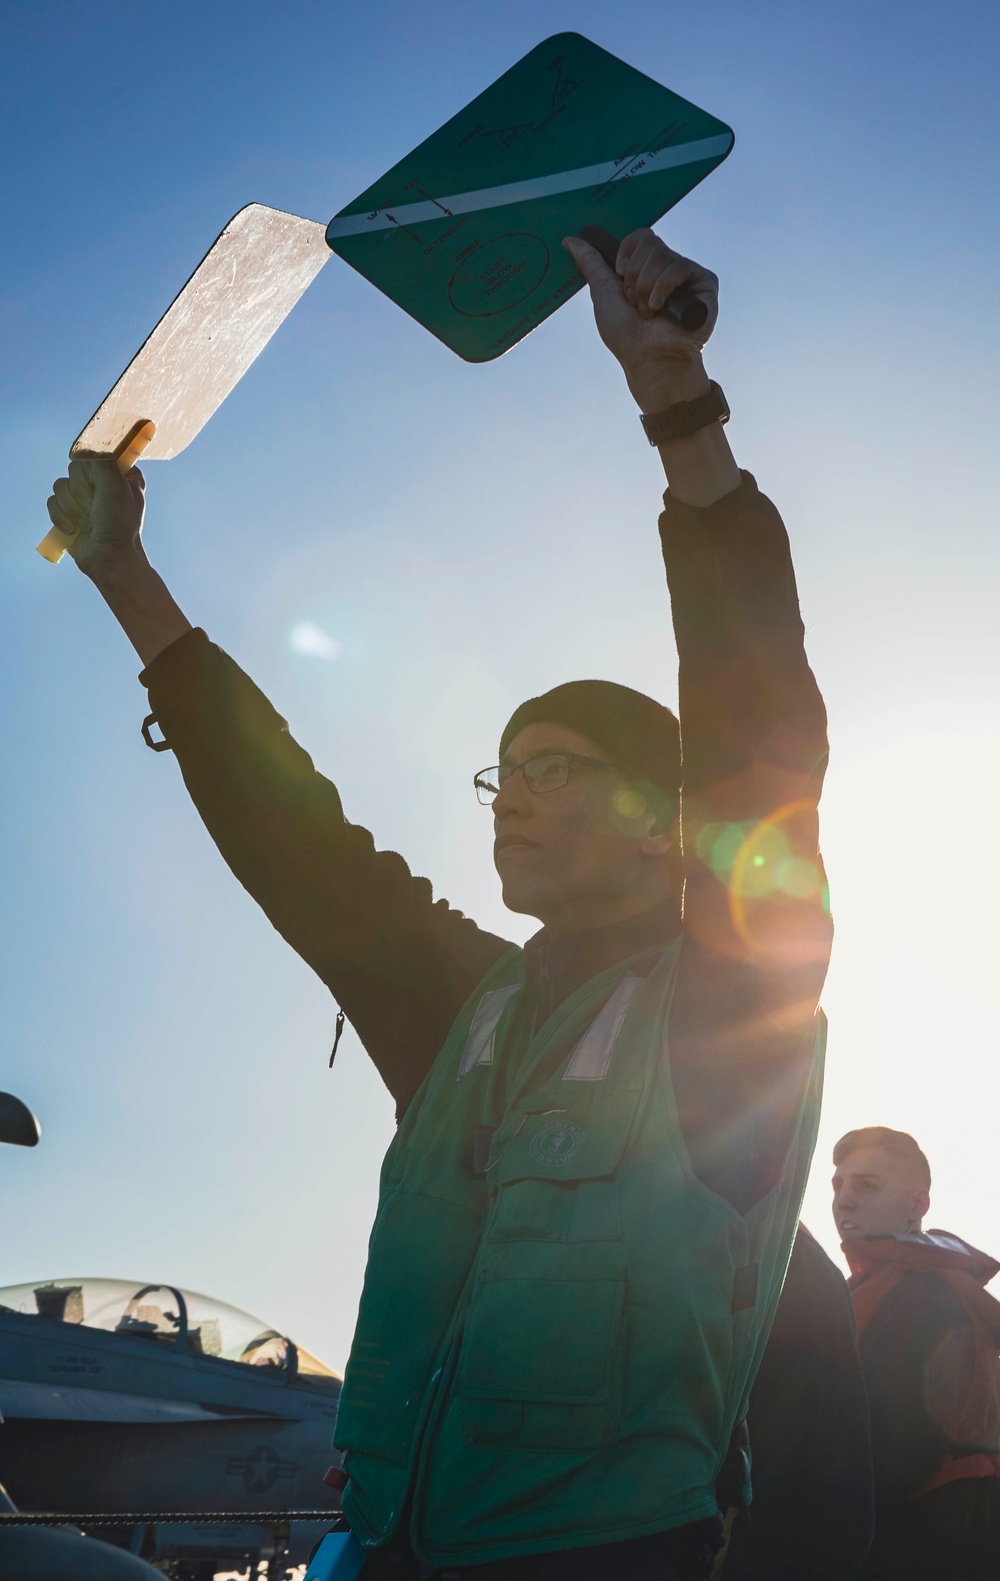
(104, 508)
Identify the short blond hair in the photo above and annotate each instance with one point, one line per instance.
(900, 1143)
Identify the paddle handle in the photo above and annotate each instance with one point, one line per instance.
(55, 543)
(686, 309)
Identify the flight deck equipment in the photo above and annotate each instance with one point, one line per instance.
(464, 234)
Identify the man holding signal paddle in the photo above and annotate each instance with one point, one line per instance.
(587, 1210)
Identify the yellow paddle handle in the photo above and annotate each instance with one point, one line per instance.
(55, 543)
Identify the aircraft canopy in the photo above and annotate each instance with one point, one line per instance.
(192, 1322)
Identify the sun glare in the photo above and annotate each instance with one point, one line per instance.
(914, 864)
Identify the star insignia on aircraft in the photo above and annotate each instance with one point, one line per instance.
(261, 1468)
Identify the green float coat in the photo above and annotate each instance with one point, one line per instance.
(553, 1352)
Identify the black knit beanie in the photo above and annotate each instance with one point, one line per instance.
(639, 735)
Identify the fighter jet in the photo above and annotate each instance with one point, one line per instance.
(121, 1396)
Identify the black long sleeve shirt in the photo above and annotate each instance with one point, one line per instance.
(757, 935)
(813, 1500)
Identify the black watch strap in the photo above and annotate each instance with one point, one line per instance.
(685, 418)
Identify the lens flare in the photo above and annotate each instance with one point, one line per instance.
(630, 804)
(719, 844)
(308, 638)
(769, 867)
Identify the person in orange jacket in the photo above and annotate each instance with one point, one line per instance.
(930, 1336)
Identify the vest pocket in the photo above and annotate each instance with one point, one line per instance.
(577, 1132)
(555, 1168)
(527, 1424)
(542, 1356)
(524, 1212)
(572, 1210)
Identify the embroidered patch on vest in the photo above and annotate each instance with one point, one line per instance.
(556, 1142)
(591, 1058)
(482, 1033)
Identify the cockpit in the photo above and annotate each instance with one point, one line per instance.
(166, 1315)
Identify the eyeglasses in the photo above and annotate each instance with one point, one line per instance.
(547, 773)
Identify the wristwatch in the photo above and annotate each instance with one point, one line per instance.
(685, 418)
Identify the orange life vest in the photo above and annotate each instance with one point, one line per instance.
(878, 1264)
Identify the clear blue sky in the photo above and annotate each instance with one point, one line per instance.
(469, 535)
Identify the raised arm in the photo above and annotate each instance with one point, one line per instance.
(753, 731)
(753, 726)
(400, 964)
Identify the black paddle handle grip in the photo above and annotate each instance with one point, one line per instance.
(686, 309)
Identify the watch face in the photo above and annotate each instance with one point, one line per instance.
(466, 232)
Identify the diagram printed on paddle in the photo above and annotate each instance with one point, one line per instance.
(498, 275)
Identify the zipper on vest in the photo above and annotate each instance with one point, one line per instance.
(543, 1000)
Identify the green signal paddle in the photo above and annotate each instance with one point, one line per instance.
(465, 233)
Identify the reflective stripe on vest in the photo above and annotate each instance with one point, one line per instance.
(482, 1033)
(591, 1058)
